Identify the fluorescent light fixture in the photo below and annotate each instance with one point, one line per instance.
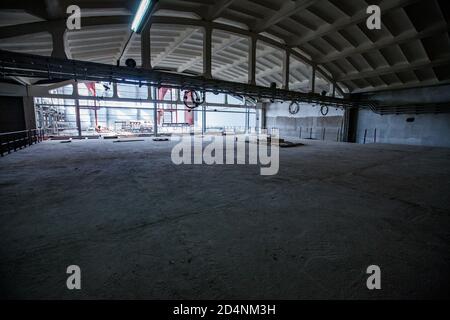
(140, 15)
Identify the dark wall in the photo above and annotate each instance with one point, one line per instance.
(414, 96)
(352, 124)
(12, 115)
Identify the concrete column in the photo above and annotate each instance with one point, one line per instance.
(204, 119)
(59, 39)
(252, 61)
(247, 120)
(263, 118)
(154, 95)
(77, 108)
(207, 52)
(350, 124)
(286, 65)
(115, 93)
(29, 113)
(78, 116)
(259, 116)
(313, 79)
(195, 115)
(146, 47)
(107, 118)
(138, 114)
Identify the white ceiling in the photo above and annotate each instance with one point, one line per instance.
(411, 49)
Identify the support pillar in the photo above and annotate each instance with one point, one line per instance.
(247, 120)
(207, 52)
(78, 116)
(333, 89)
(115, 93)
(107, 118)
(286, 65)
(259, 117)
(29, 113)
(59, 40)
(146, 48)
(204, 119)
(263, 118)
(77, 108)
(313, 79)
(154, 95)
(138, 114)
(350, 124)
(252, 61)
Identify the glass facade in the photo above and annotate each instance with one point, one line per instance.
(129, 112)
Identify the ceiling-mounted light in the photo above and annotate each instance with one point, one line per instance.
(141, 15)
(139, 21)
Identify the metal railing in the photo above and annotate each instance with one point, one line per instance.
(17, 140)
(322, 133)
(368, 139)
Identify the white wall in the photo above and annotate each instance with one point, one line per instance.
(279, 109)
(426, 130)
(308, 120)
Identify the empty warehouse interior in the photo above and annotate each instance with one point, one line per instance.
(225, 149)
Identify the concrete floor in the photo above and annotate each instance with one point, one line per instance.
(141, 227)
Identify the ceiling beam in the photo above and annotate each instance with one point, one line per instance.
(288, 9)
(394, 69)
(56, 9)
(33, 7)
(224, 45)
(361, 16)
(48, 26)
(244, 59)
(276, 69)
(174, 46)
(384, 43)
(92, 56)
(93, 41)
(300, 85)
(217, 9)
(415, 85)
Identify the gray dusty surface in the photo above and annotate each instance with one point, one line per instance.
(141, 227)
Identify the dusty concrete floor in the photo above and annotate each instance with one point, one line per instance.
(141, 227)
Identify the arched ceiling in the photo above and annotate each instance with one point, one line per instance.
(411, 49)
